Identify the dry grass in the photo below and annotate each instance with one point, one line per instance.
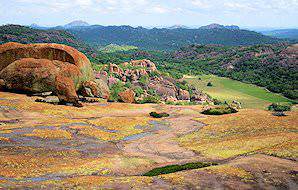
(245, 132)
(50, 134)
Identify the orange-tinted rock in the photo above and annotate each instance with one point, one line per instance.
(89, 89)
(10, 52)
(39, 68)
(128, 96)
(183, 94)
(103, 88)
(2, 84)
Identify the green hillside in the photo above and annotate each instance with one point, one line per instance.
(167, 39)
(226, 89)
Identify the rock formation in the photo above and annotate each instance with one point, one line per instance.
(143, 76)
(37, 68)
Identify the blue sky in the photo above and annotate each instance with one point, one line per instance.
(265, 13)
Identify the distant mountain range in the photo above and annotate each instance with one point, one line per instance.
(218, 26)
(171, 38)
(76, 23)
(283, 33)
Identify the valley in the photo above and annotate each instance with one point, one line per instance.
(225, 89)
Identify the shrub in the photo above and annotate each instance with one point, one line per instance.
(139, 91)
(154, 74)
(128, 84)
(182, 85)
(144, 79)
(158, 115)
(279, 107)
(151, 92)
(209, 84)
(115, 89)
(150, 99)
(219, 110)
(217, 102)
(176, 168)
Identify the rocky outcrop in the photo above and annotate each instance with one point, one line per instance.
(149, 65)
(36, 68)
(183, 95)
(133, 70)
(115, 69)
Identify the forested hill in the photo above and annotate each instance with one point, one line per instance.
(25, 35)
(272, 66)
(167, 39)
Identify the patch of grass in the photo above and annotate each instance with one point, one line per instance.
(176, 168)
(50, 134)
(158, 115)
(150, 99)
(248, 131)
(219, 110)
(231, 171)
(225, 89)
(181, 103)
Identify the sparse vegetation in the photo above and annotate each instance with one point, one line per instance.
(219, 110)
(177, 168)
(115, 89)
(150, 99)
(158, 115)
(139, 91)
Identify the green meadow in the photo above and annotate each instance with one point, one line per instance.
(226, 89)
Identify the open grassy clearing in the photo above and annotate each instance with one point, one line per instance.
(228, 90)
(246, 132)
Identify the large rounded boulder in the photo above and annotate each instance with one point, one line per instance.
(44, 67)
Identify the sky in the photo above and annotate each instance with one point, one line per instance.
(244, 13)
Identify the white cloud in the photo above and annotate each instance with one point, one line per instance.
(201, 3)
(118, 11)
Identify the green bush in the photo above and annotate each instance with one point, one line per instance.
(182, 85)
(150, 99)
(279, 107)
(144, 79)
(209, 84)
(158, 115)
(115, 89)
(177, 168)
(154, 74)
(128, 84)
(152, 92)
(139, 91)
(217, 102)
(219, 110)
